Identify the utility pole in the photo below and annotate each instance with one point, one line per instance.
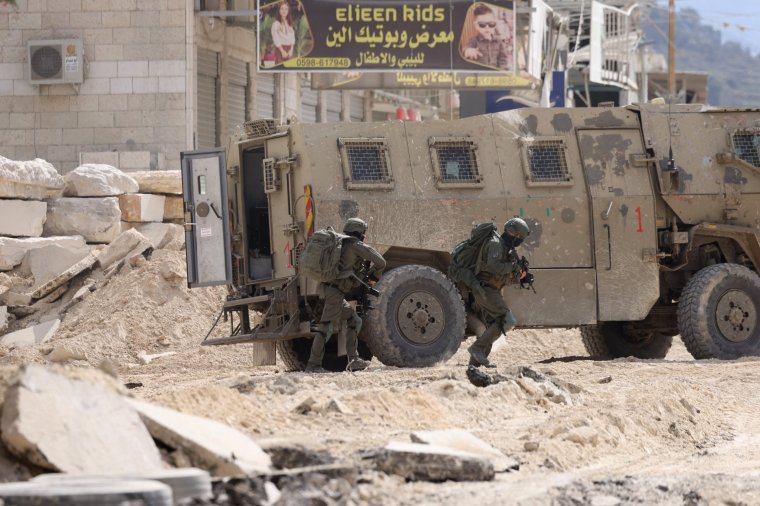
(672, 50)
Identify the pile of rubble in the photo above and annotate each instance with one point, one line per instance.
(63, 237)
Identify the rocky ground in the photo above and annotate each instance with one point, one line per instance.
(674, 431)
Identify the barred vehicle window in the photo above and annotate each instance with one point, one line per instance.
(454, 160)
(747, 146)
(366, 162)
(546, 159)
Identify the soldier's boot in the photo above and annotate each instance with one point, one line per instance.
(315, 369)
(357, 364)
(482, 346)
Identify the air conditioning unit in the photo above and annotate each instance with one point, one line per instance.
(55, 61)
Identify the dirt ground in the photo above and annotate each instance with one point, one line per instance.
(674, 431)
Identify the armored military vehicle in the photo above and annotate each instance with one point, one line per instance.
(645, 224)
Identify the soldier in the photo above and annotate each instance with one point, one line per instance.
(497, 264)
(354, 253)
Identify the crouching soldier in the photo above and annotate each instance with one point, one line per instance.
(482, 266)
(353, 255)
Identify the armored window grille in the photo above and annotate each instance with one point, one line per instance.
(271, 176)
(545, 162)
(366, 163)
(747, 146)
(455, 162)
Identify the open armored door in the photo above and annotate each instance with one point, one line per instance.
(207, 233)
(623, 218)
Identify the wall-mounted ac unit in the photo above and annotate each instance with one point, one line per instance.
(55, 61)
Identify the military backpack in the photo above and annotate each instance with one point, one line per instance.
(466, 254)
(320, 259)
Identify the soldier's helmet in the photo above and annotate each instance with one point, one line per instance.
(517, 228)
(355, 225)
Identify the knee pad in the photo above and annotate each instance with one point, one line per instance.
(355, 323)
(508, 322)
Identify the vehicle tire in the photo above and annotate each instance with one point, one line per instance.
(294, 354)
(608, 340)
(418, 320)
(86, 492)
(719, 312)
(186, 483)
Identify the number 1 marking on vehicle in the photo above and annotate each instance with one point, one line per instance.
(286, 250)
(641, 226)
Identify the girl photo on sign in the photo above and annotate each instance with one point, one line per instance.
(487, 36)
(284, 32)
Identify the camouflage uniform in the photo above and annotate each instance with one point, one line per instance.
(337, 309)
(497, 266)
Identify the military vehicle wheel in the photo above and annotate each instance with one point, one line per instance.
(418, 320)
(719, 312)
(295, 353)
(608, 340)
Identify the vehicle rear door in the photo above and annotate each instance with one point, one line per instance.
(207, 235)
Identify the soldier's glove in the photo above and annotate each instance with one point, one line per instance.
(527, 281)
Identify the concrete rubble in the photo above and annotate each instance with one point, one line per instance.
(79, 267)
(4, 317)
(22, 218)
(12, 250)
(222, 450)
(31, 336)
(48, 262)
(109, 434)
(33, 179)
(174, 208)
(128, 244)
(142, 207)
(98, 180)
(98, 220)
(159, 181)
(421, 462)
(462, 440)
(161, 235)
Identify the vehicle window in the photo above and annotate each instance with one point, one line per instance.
(366, 163)
(747, 147)
(545, 161)
(454, 161)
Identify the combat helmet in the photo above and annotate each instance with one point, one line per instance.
(355, 226)
(517, 229)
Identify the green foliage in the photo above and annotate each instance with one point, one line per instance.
(733, 71)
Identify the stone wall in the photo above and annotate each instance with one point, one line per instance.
(134, 94)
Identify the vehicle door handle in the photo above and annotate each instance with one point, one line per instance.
(606, 214)
(213, 208)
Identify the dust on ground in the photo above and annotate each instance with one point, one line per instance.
(673, 431)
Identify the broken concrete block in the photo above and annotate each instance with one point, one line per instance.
(4, 317)
(12, 298)
(94, 429)
(66, 353)
(34, 179)
(460, 439)
(98, 180)
(81, 266)
(174, 208)
(12, 250)
(293, 452)
(98, 220)
(31, 336)
(159, 181)
(128, 244)
(162, 235)
(22, 218)
(48, 262)
(432, 463)
(211, 445)
(142, 207)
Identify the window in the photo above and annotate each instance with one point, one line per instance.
(747, 146)
(366, 163)
(545, 163)
(455, 162)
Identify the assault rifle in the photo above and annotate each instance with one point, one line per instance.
(527, 280)
(365, 290)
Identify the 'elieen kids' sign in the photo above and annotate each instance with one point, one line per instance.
(386, 35)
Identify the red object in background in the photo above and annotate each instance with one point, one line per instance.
(413, 114)
(401, 114)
